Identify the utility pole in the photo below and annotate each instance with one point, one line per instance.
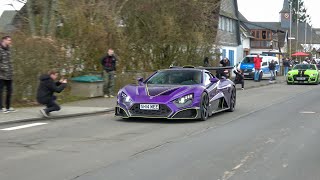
(290, 30)
(305, 37)
(297, 12)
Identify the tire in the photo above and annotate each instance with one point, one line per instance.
(289, 83)
(233, 100)
(204, 107)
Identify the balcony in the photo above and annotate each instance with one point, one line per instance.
(263, 44)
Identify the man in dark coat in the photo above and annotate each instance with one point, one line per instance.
(239, 78)
(46, 90)
(108, 63)
(272, 67)
(6, 74)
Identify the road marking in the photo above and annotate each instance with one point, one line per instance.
(307, 112)
(23, 126)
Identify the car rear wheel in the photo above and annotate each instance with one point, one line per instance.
(204, 107)
(233, 99)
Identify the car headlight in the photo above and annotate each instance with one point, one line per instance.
(312, 74)
(125, 98)
(184, 99)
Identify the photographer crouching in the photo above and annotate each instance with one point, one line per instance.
(239, 78)
(46, 90)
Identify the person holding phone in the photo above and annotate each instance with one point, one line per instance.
(47, 87)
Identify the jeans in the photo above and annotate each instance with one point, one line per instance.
(108, 83)
(240, 82)
(50, 104)
(8, 85)
(272, 77)
(256, 74)
(286, 69)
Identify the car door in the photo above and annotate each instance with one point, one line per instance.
(211, 89)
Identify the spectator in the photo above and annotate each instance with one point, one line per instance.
(46, 90)
(109, 65)
(257, 66)
(239, 79)
(286, 65)
(6, 74)
(272, 67)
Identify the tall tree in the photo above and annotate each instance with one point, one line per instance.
(299, 11)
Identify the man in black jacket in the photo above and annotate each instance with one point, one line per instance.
(46, 90)
(272, 67)
(6, 74)
(108, 63)
(239, 78)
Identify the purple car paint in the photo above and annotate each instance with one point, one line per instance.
(177, 93)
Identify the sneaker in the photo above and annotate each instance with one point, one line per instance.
(5, 111)
(11, 110)
(111, 96)
(44, 113)
(242, 88)
(106, 96)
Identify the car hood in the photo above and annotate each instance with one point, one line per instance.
(303, 71)
(158, 93)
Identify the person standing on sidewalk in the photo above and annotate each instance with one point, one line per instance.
(286, 65)
(6, 74)
(46, 90)
(272, 67)
(257, 66)
(108, 63)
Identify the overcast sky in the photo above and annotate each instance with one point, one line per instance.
(268, 10)
(253, 10)
(4, 5)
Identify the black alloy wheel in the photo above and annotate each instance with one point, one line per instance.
(233, 99)
(204, 107)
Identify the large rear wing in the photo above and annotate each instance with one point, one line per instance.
(206, 68)
(215, 68)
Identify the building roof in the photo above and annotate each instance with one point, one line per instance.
(286, 7)
(275, 26)
(6, 21)
(309, 38)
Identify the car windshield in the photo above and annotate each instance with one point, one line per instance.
(248, 60)
(176, 77)
(305, 66)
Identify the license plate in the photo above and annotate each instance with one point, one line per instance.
(301, 78)
(149, 106)
(246, 74)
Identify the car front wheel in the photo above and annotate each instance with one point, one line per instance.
(204, 107)
(233, 98)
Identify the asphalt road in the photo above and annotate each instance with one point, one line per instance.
(273, 134)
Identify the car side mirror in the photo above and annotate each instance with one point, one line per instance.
(140, 80)
(214, 80)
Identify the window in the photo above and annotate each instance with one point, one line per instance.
(220, 22)
(207, 79)
(264, 34)
(264, 64)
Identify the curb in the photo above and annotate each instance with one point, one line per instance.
(93, 113)
(57, 117)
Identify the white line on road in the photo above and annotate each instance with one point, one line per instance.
(307, 112)
(23, 126)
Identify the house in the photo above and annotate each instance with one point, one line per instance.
(272, 38)
(6, 21)
(228, 35)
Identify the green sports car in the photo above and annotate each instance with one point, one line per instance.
(303, 74)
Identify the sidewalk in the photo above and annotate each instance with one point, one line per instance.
(90, 107)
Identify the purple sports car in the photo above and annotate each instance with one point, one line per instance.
(177, 93)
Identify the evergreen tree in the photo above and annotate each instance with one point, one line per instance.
(299, 11)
